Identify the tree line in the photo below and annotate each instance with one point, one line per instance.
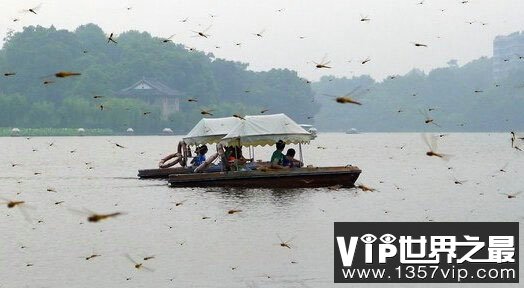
(456, 98)
(32, 97)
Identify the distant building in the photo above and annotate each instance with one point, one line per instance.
(506, 53)
(155, 93)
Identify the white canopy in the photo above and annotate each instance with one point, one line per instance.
(210, 130)
(266, 130)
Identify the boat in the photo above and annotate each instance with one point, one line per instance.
(309, 129)
(250, 132)
(352, 131)
(308, 177)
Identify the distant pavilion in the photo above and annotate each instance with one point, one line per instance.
(154, 92)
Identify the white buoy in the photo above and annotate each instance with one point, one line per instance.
(81, 131)
(15, 132)
(167, 131)
(130, 130)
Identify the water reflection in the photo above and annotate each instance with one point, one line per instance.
(280, 196)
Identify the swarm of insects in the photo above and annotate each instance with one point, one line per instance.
(239, 117)
(511, 196)
(203, 33)
(206, 112)
(323, 63)
(168, 39)
(100, 217)
(285, 244)
(419, 44)
(64, 74)
(428, 119)
(260, 34)
(21, 205)
(32, 10)
(345, 99)
(365, 188)
(179, 203)
(111, 39)
(92, 256)
(431, 141)
(139, 266)
(364, 18)
(96, 217)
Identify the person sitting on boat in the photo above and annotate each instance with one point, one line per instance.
(289, 159)
(200, 157)
(228, 157)
(235, 159)
(277, 159)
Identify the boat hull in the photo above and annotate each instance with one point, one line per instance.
(162, 173)
(269, 178)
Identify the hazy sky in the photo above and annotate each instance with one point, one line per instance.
(331, 28)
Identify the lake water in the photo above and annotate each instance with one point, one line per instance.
(239, 250)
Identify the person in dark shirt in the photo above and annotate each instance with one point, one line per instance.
(277, 159)
(290, 161)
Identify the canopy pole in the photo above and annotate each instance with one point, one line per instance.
(236, 154)
(300, 152)
(184, 154)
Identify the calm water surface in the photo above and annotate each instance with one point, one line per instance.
(239, 250)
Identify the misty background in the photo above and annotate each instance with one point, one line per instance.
(454, 79)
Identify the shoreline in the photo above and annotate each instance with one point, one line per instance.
(72, 132)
